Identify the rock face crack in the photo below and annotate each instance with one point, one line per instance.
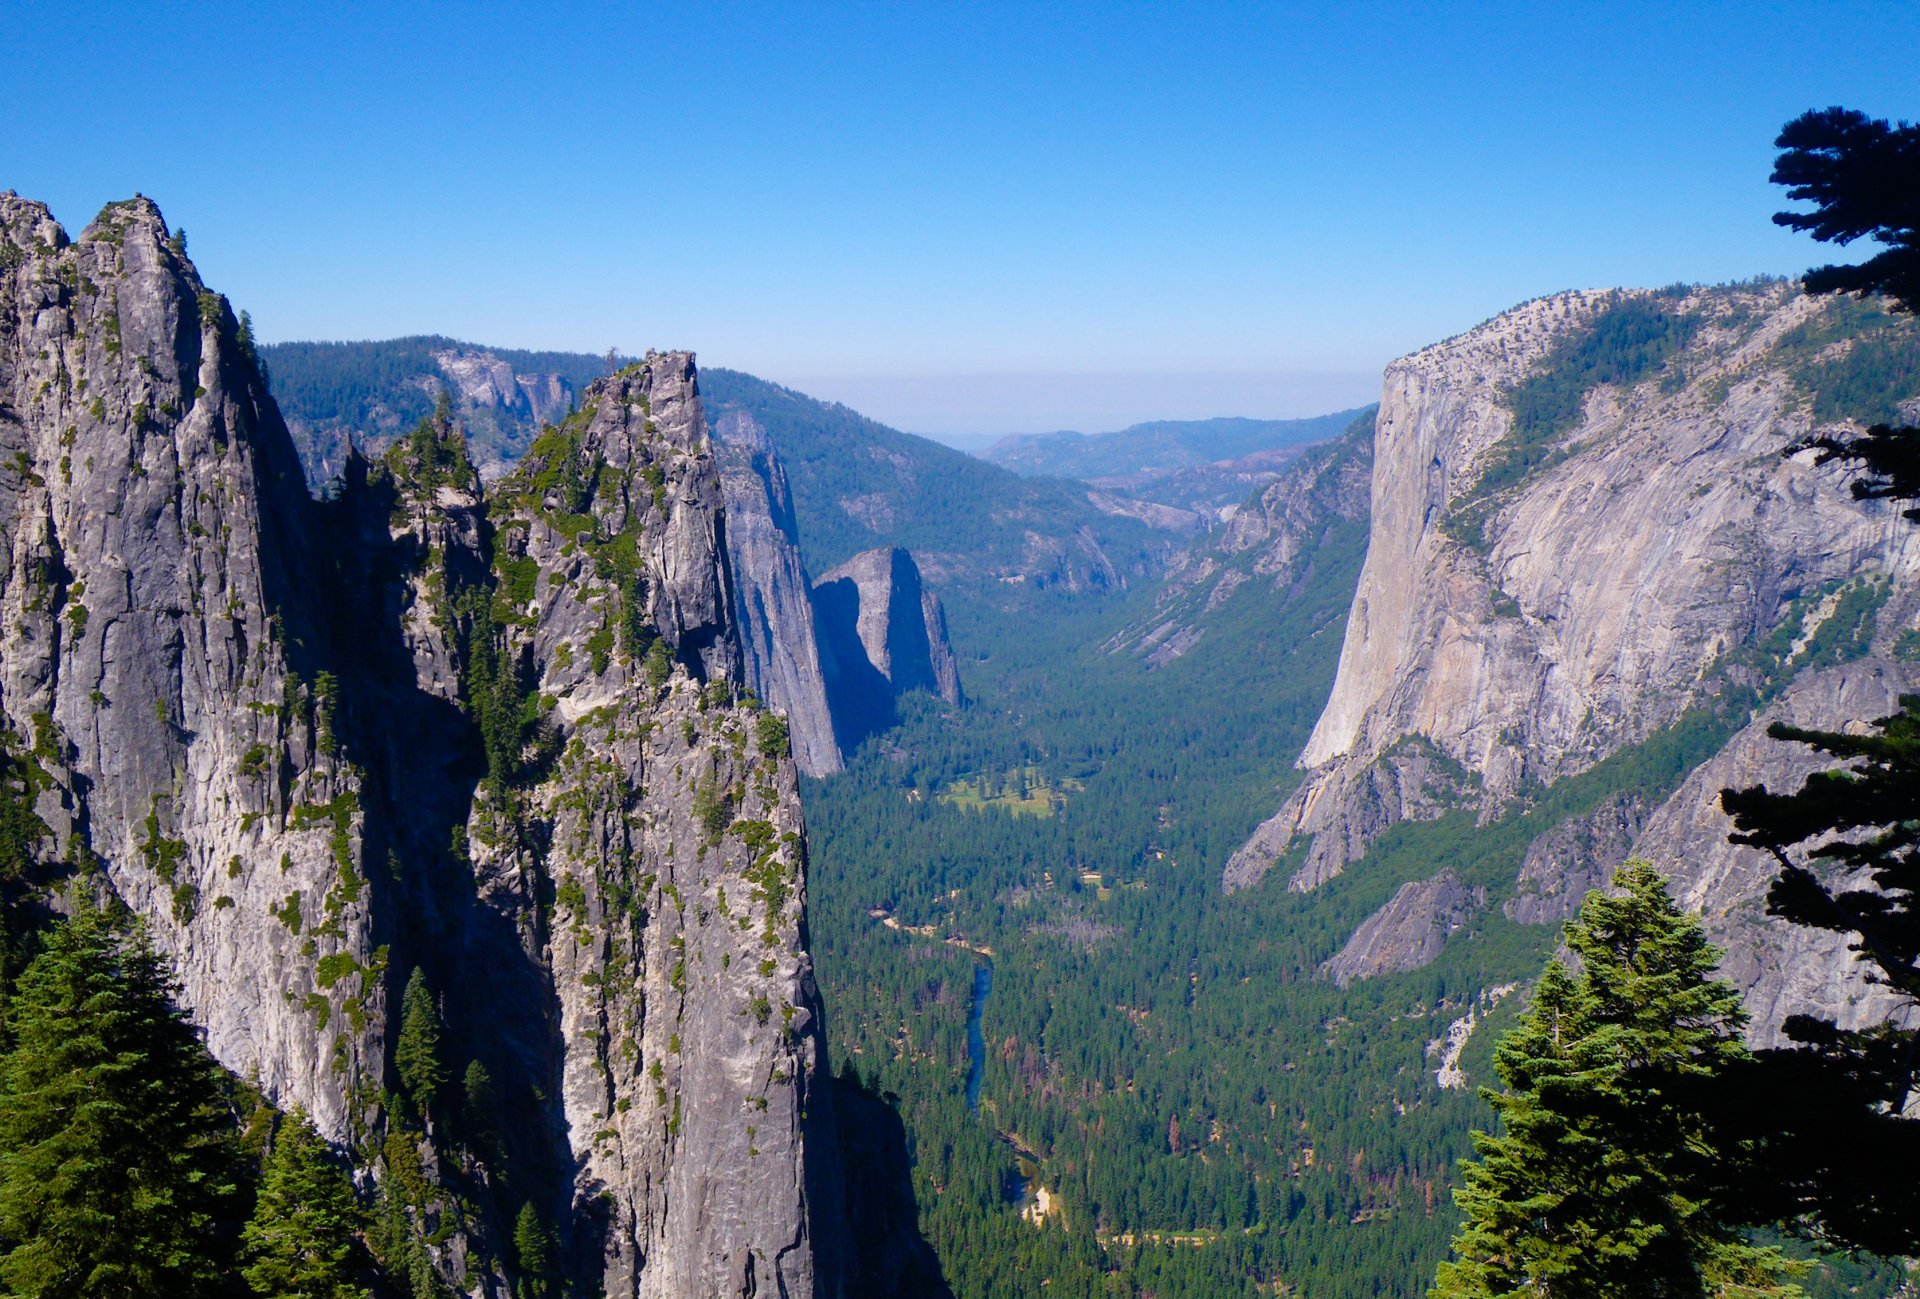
(425, 725)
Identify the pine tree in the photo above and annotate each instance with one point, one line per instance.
(533, 1247)
(1862, 176)
(1605, 1179)
(302, 1241)
(417, 1054)
(116, 1147)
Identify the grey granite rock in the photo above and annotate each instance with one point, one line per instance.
(771, 590)
(494, 735)
(1408, 932)
(1575, 857)
(1668, 533)
(882, 633)
(156, 645)
(1636, 573)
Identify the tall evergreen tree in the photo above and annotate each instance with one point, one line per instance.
(417, 1054)
(302, 1241)
(533, 1248)
(1605, 1179)
(117, 1165)
(1841, 1151)
(1862, 176)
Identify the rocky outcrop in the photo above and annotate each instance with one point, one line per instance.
(480, 380)
(158, 653)
(1624, 594)
(1529, 632)
(1408, 932)
(495, 736)
(1575, 857)
(771, 591)
(882, 633)
(1780, 968)
(688, 1026)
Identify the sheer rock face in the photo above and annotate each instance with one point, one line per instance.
(1408, 932)
(156, 650)
(771, 590)
(1669, 534)
(1626, 580)
(688, 1022)
(882, 633)
(263, 716)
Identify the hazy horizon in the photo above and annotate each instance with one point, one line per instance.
(933, 214)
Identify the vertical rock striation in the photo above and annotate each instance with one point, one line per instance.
(1664, 533)
(771, 590)
(492, 735)
(158, 652)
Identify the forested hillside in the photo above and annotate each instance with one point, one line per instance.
(980, 532)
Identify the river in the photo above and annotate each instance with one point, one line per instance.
(976, 1041)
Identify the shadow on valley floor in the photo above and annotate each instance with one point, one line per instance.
(887, 1257)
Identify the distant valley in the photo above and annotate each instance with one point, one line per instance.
(685, 836)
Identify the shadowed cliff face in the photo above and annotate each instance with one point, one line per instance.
(493, 735)
(1542, 594)
(771, 589)
(882, 633)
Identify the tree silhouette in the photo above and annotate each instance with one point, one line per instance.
(1863, 177)
(1826, 1117)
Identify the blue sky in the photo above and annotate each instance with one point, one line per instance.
(961, 219)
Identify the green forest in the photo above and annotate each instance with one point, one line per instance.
(1208, 1117)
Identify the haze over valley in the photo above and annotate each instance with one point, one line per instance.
(487, 813)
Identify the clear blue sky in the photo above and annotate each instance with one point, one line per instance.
(961, 218)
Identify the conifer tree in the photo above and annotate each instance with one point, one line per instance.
(1862, 176)
(417, 1054)
(1605, 1179)
(116, 1147)
(533, 1247)
(302, 1241)
(1834, 1115)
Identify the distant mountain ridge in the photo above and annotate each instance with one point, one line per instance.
(373, 391)
(1158, 446)
(859, 484)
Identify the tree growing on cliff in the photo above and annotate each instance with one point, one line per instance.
(1605, 1179)
(117, 1159)
(533, 1249)
(417, 1055)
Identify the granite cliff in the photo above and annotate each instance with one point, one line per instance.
(491, 738)
(1587, 549)
(832, 655)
